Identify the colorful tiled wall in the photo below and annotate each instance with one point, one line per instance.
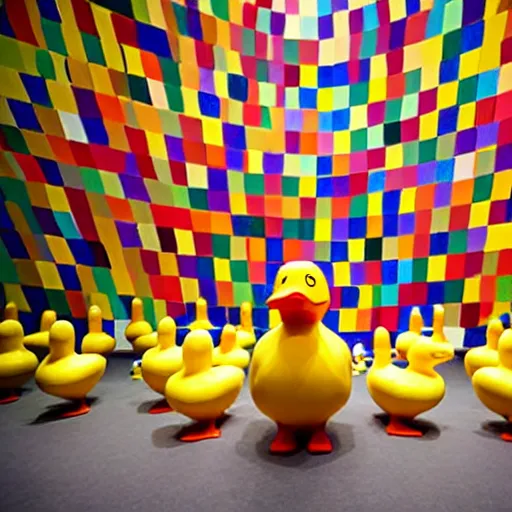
(166, 149)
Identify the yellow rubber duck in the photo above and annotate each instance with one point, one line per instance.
(358, 362)
(139, 332)
(162, 361)
(11, 311)
(481, 357)
(493, 385)
(228, 352)
(406, 339)
(66, 374)
(404, 393)
(246, 336)
(40, 339)
(274, 318)
(96, 341)
(301, 371)
(200, 391)
(438, 334)
(201, 321)
(17, 364)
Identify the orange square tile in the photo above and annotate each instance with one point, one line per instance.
(209, 26)
(425, 197)
(110, 108)
(221, 223)
(341, 165)
(462, 192)
(201, 221)
(310, 121)
(49, 120)
(405, 247)
(116, 135)
(257, 249)
(273, 206)
(147, 117)
(308, 143)
(151, 65)
(340, 207)
(374, 226)
(292, 250)
(215, 156)
(61, 150)
(225, 293)
(364, 319)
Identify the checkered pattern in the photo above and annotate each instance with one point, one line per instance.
(170, 149)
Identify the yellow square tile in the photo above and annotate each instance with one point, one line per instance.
(325, 99)
(407, 200)
(168, 264)
(62, 97)
(447, 95)
(356, 250)
(189, 289)
(471, 290)
(469, 64)
(49, 275)
(378, 90)
(222, 269)
(341, 273)
(14, 293)
(60, 250)
(307, 186)
(479, 215)
(348, 320)
(308, 76)
(323, 230)
(185, 242)
(87, 282)
(101, 300)
(436, 268)
(498, 237)
(375, 204)
(394, 156)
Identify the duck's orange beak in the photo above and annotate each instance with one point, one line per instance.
(293, 304)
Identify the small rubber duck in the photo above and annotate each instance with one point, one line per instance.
(493, 384)
(136, 370)
(358, 363)
(407, 338)
(96, 341)
(200, 391)
(66, 374)
(201, 321)
(228, 352)
(162, 361)
(11, 311)
(404, 393)
(438, 334)
(139, 332)
(245, 331)
(40, 339)
(481, 357)
(301, 371)
(17, 364)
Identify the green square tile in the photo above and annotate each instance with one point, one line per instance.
(452, 44)
(266, 121)
(257, 227)
(180, 196)
(419, 270)
(504, 289)
(111, 184)
(15, 190)
(44, 64)
(291, 51)
(66, 225)
(482, 188)
(368, 44)
(10, 54)
(139, 90)
(58, 301)
(170, 123)
(170, 71)
(306, 229)
(358, 140)
(377, 296)
(411, 153)
(375, 135)
(445, 146)
(236, 182)
(290, 229)
(93, 49)
(242, 292)
(292, 100)
(248, 42)
(427, 150)
(149, 309)
(410, 106)
(467, 90)
(221, 246)
(239, 271)
(340, 97)
(454, 291)
(15, 140)
(198, 198)
(263, 21)
(457, 243)
(485, 161)
(180, 14)
(358, 94)
(53, 36)
(290, 186)
(174, 98)
(92, 180)
(220, 8)
(254, 184)
(413, 81)
(393, 110)
(9, 273)
(261, 70)
(389, 295)
(323, 251)
(140, 11)
(359, 206)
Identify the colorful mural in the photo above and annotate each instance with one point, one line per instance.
(174, 149)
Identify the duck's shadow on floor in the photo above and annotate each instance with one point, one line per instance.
(55, 412)
(258, 435)
(493, 430)
(429, 430)
(169, 436)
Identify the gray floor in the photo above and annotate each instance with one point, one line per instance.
(120, 458)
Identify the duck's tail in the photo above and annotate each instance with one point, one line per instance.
(381, 347)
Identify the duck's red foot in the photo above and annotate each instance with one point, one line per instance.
(201, 431)
(285, 441)
(507, 436)
(398, 428)
(9, 397)
(160, 407)
(82, 407)
(320, 442)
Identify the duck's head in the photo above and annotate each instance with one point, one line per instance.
(197, 351)
(166, 332)
(48, 318)
(228, 338)
(505, 348)
(426, 354)
(11, 335)
(493, 333)
(62, 339)
(137, 310)
(94, 319)
(246, 314)
(201, 308)
(11, 311)
(301, 293)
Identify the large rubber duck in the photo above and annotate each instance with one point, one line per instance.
(404, 393)
(228, 352)
(301, 371)
(493, 385)
(245, 335)
(201, 321)
(41, 338)
(17, 364)
(481, 357)
(11, 311)
(200, 391)
(407, 338)
(139, 332)
(162, 361)
(438, 334)
(96, 341)
(66, 374)
(274, 318)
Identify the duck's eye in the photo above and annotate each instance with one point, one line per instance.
(310, 280)
(284, 279)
